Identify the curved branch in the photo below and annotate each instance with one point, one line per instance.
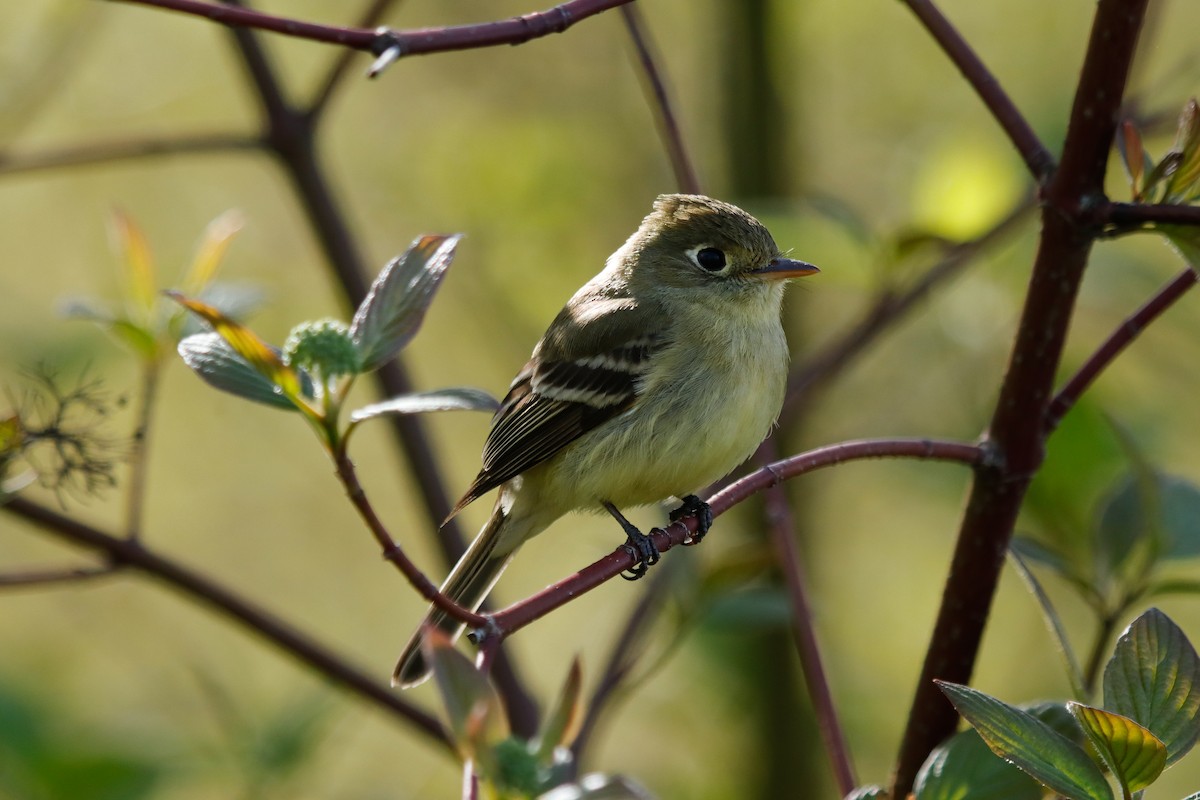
(201, 589)
(518, 615)
(1037, 158)
(1121, 338)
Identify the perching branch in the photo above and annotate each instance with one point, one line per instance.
(518, 615)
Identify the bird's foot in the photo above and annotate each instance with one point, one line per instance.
(693, 506)
(638, 544)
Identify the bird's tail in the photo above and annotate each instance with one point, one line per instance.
(468, 584)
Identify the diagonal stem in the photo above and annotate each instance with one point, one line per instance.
(1037, 158)
(201, 589)
(1115, 344)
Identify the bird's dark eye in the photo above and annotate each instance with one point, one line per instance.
(711, 259)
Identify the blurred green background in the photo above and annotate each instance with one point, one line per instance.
(546, 156)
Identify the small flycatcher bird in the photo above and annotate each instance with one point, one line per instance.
(662, 374)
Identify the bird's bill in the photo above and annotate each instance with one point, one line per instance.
(778, 269)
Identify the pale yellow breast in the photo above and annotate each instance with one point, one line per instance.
(706, 406)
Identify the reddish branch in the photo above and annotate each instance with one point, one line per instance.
(199, 588)
(1121, 338)
(1016, 432)
(787, 556)
(518, 615)
(402, 43)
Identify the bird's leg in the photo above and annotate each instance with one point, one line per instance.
(694, 507)
(638, 544)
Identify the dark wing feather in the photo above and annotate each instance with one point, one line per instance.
(554, 402)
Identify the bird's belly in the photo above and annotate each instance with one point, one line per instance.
(672, 443)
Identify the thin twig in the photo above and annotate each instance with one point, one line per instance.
(259, 621)
(47, 577)
(83, 155)
(668, 126)
(782, 527)
(1037, 158)
(392, 551)
(1121, 338)
(135, 499)
(518, 615)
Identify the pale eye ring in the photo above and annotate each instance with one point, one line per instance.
(710, 259)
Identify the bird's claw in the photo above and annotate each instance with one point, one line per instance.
(693, 506)
(644, 551)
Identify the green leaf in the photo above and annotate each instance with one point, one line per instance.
(1179, 505)
(1153, 678)
(245, 342)
(563, 717)
(1030, 744)
(472, 706)
(219, 366)
(1133, 754)
(394, 308)
(462, 398)
(964, 767)
(1126, 541)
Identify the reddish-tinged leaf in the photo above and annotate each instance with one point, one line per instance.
(473, 708)
(1153, 678)
(1132, 154)
(1133, 754)
(140, 279)
(1024, 740)
(211, 251)
(561, 721)
(246, 344)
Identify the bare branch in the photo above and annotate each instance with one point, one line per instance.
(46, 577)
(520, 614)
(83, 155)
(1121, 338)
(392, 551)
(202, 589)
(1125, 217)
(1037, 158)
(668, 126)
(782, 529)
